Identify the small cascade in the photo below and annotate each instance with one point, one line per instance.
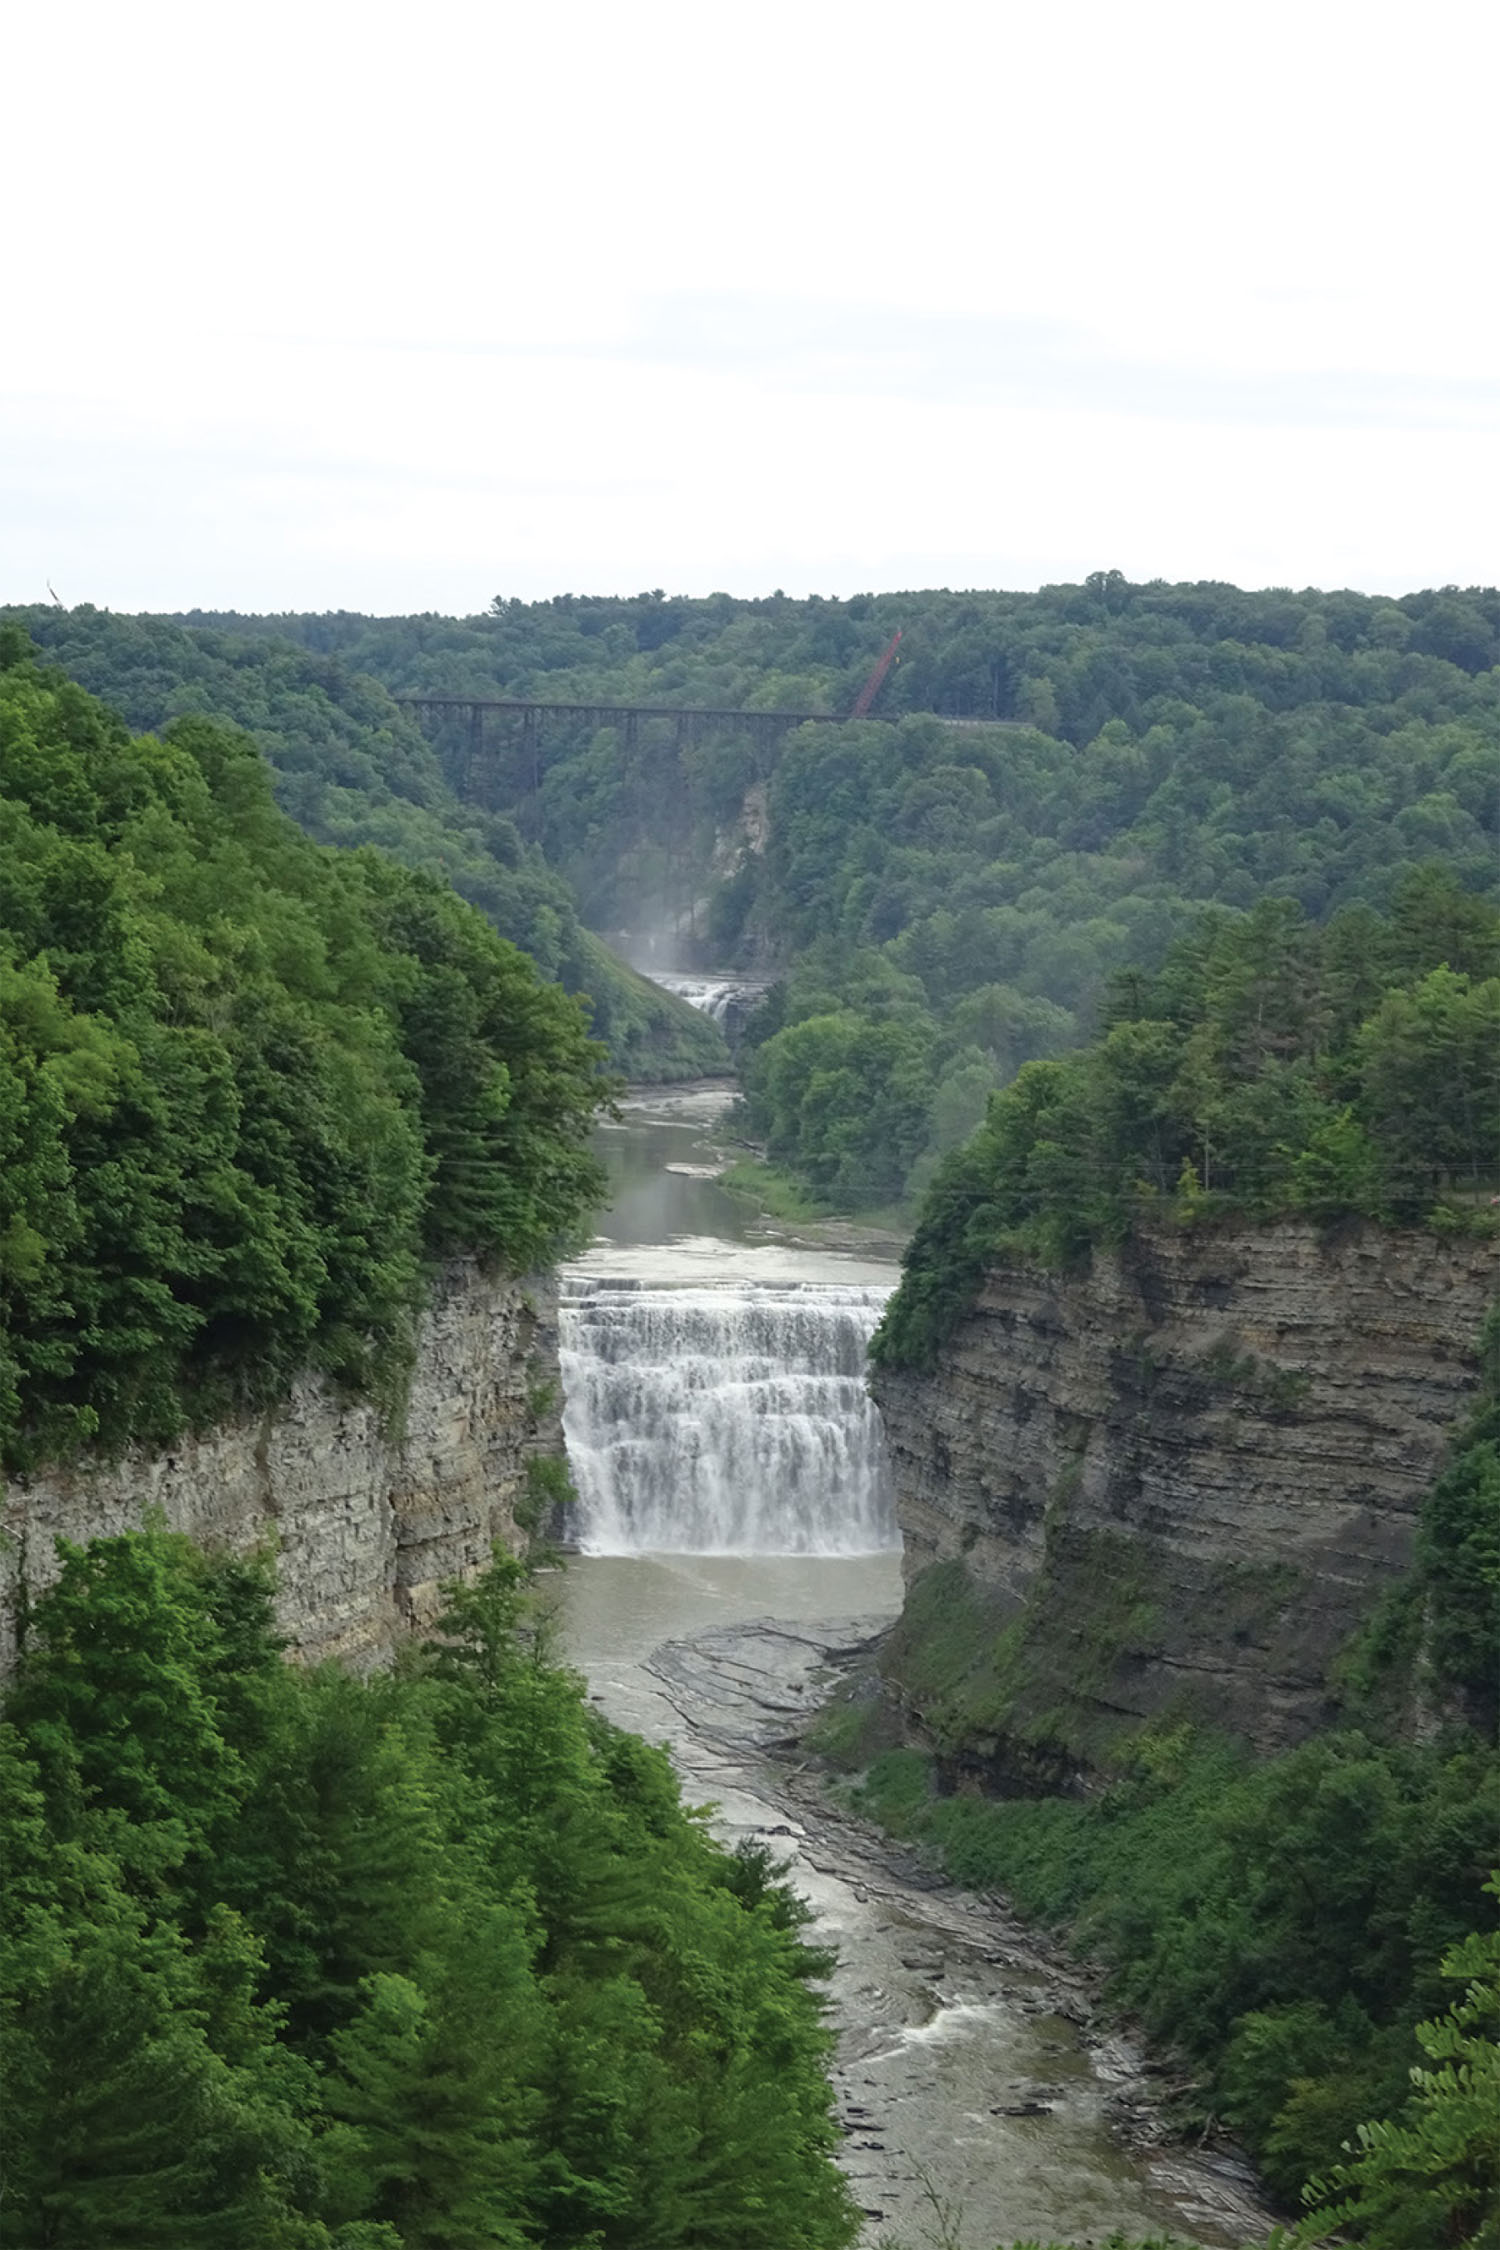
(710, 995)
(729, 1000)
(728, 1420)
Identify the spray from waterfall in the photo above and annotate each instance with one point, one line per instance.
(731, 1420)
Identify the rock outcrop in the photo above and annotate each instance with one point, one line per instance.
(365, 1524)
(1175, 1484)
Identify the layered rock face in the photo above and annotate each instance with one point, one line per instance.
(365, 1526)
(1181, 1480)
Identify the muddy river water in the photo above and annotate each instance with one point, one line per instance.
(981, 2099)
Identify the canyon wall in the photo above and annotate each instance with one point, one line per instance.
(1171, 1486)
(365, 1523)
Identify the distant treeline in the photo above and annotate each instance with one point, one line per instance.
(946, 901)
(432, 1961)
(949, 900)
(247, 1085)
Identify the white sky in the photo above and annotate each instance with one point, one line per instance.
(308, 306)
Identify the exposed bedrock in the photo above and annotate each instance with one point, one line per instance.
(1176, 1483)
(365, 1525)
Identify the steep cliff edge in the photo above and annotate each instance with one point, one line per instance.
(365, 1526)
(1171, 1486)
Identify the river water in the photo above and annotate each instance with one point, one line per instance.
(737, 1539)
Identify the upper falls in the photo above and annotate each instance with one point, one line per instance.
(726, 1419)
(716, 994)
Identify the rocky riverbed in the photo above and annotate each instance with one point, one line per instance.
(978, 2088)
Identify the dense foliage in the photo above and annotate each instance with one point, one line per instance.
(247, 1085)
(1268, 1067)
(1281, 1927)
(352, 768)
(437, 1960)
(1287, 1925)
(948, 899)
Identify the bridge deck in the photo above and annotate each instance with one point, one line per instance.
(529, 707)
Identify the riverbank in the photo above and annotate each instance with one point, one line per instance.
(972, 2058)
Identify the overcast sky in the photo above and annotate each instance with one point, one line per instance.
(315, 306)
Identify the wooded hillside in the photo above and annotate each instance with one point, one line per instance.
(294, 1961)
(946, 900)
(1269, 1067)
(352, 768)
(247, 1084)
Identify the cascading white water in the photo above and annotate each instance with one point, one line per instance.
(714, 996)
(726, 1420)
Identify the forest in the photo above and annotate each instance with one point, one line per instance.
(352, 768)
(436, 1959)
(1051, 785)
(250, 1087)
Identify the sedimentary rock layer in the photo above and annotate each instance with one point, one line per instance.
(1198, 1464)
(365, 1524)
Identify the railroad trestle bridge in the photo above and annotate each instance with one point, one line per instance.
(527, 716)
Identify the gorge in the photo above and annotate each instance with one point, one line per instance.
(970, 2054)
(1190, 1325)
(1146, 1504)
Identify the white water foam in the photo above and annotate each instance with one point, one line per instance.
(714, 995)
(728, 1420)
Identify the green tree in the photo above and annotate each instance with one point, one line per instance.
(1429, 1068)
(435, 2093)
(115, 1695)
(1432, 2174)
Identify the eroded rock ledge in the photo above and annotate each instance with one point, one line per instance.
(365, 1527)
(1178, 1482)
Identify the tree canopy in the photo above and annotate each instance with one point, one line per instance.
(1053, 783)
(436, 1959)
(352, 768)
(247, 1085)
(1269, 1067)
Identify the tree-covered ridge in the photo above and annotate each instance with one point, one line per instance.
(352, 768)
(291, 1961)
(1102, 649)
(948, 900)
(247, 1085)
(1269, 1067)
(1239, 741)
(952, 896)
(968, 891)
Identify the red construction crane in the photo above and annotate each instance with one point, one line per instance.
(871, 688)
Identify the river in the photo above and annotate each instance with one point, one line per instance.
(980, 2100)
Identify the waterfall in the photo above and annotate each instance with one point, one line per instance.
(724, 1420)
(720, 997)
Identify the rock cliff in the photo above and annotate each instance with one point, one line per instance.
(365, 1525)
(1171, 1486)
